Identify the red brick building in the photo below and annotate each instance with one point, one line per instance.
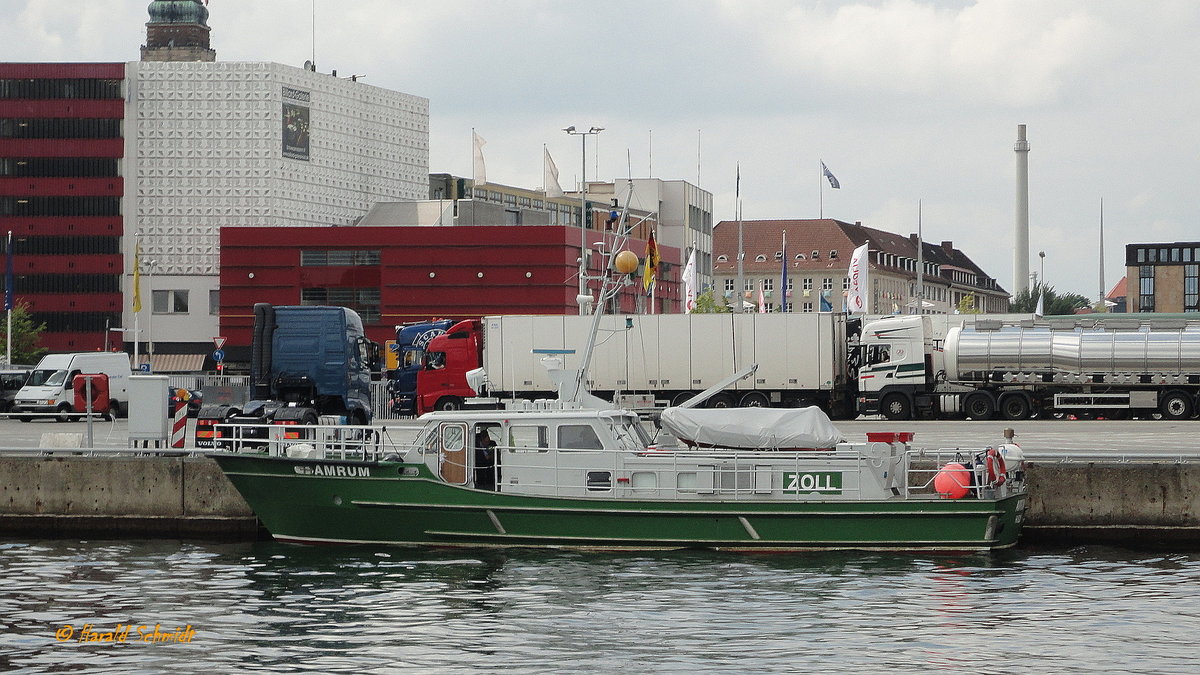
(60, 195)
(394, 275)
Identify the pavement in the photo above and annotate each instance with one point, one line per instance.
(1081, 439)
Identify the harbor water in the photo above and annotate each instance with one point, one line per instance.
(157, 606)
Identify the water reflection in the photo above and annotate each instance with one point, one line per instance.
(273, 607)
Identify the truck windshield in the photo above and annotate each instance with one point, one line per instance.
(47, 377)
(412, 358)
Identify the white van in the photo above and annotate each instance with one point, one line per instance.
(49, 386)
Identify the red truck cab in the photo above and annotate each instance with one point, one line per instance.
(442, 383)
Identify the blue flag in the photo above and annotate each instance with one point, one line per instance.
(826, 306)
(8, 275)
(833, 182)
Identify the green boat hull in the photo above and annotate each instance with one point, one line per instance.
(315, 501)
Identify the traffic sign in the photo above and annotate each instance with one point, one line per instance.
(219, 341)
(145, 367)
(218, 355)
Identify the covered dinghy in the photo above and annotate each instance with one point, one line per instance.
(761, 428)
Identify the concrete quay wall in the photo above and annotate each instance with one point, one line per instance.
(1142, 504)
(120, 496)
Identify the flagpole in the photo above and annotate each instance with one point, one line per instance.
(737, 206)
(1103, 300)
(821, 190)
(783, 305)
(8, 293)
(920, 265)
(137, 264)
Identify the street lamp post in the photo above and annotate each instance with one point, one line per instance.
(1042, 268)
(583, 224)
(150, 266)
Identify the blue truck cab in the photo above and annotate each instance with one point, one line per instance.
(411, 341)
(305, 362)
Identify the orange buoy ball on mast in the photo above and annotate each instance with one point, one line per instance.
(626, 262)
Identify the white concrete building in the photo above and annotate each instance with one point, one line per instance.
(228, 144)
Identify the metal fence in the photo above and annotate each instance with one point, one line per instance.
(233, 389)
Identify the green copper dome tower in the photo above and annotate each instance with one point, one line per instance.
(177, 31)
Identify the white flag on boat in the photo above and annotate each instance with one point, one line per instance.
(478, 143)
(690, 284)
(856, 295)
(553, 189)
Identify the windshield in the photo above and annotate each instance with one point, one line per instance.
(47, 377)
(629, 433)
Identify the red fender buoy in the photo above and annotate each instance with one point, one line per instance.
(952, 481)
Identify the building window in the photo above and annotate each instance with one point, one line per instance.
(1191, 288)
(827, 284)
(339, 258)
(364, 301)
(170, 302)
(749, 285)
(729, 285)
(807, 307)
(1146, 287)
(808, 284)
(768, 285)
(760, 258)
(845, 283)
(214, 302)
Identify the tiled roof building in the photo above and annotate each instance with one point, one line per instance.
(818, 255)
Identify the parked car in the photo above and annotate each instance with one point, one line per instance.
(12, 378)
(193, 397)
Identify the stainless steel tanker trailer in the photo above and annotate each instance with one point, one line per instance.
(1089, 366)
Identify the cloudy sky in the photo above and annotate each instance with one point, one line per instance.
(906, 101)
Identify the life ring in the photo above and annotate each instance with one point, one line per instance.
(997, 471)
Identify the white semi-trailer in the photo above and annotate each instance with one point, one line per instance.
(1094, 365)
(803, 359)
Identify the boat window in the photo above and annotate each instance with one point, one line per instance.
(878, 354)
(453, 438)
(578, 437)
(528, 437)
(599, 481)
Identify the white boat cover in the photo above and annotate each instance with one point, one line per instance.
(763, 428)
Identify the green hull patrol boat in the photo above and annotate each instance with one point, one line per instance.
(586, 478)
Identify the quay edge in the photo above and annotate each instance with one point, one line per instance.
(1140, 505)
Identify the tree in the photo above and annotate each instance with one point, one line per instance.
(966, 305)
(1052, 302)
(706, 303)
(26, 335)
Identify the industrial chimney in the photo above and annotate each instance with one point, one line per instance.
(1021, 230)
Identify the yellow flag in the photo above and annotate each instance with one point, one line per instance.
(650, 271)
(137, 277)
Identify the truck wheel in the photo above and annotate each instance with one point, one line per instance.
(755, 399)
(1014, 407)
(979, 406)
(64, 413)
(1175, 405)
(448, 403)
(682, 397)
(721, 400)
(896, 407)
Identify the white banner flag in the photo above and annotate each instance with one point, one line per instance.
(856, 296)
(553, 189)
(690, 284)
(480, 174)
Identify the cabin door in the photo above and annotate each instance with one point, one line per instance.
(452, 452)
